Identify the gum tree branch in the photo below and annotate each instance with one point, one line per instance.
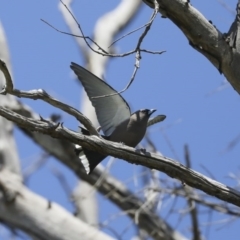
(110, 187)
(43, 95)
(8, 149)
(153, 161)
(172, 168)
(23, 209)
(204, 37)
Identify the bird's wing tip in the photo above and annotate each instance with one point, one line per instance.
(73, 64)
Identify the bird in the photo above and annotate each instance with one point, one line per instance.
(114, 116)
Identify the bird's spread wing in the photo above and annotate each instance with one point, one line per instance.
(111, 111)
(155, 120)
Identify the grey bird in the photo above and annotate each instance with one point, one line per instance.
(114, 116)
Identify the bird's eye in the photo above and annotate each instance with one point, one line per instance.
(144, 110)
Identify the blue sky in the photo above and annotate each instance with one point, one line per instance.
(176, 83)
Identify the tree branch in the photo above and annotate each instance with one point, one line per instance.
(203, 37)
(43, 95)
(38, 217)
(8, 149)
(110, 187)
(153, 161)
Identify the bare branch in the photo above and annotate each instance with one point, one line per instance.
(218, 207)
(147, 27)
(138, 51)
(110, 187)
(103, 53)
(203, 37)
(9, 85)
(170, 167)
(8, 149)
(137, 63)
(38, 217)
(73, 27)
(127, 34)
(43, 95)
(128, 85)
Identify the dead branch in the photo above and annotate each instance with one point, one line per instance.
(204, 37)
(153, 161)
(23, 209)
(43, 95)
(110, 187)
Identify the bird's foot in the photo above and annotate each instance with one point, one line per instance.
(143, 150)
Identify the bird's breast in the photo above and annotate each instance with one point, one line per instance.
(129, 133)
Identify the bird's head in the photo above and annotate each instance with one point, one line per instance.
(146, 113)
(143, 114)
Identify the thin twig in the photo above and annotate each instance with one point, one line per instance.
(152, 52)
(79, 26)
(138, 52)
(127, 34)
(104, 53)
(218, 207)
(232, 144)
(191, 203)
(128, 85)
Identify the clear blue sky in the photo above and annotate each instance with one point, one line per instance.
(176, 83)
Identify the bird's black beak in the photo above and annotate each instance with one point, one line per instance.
(151, 112)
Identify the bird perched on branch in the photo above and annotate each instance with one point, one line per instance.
(114, 116)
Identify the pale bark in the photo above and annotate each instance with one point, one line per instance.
(8, 149)
(110, 187)
(23, 209)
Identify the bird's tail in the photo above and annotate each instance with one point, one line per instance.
(89, 159)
